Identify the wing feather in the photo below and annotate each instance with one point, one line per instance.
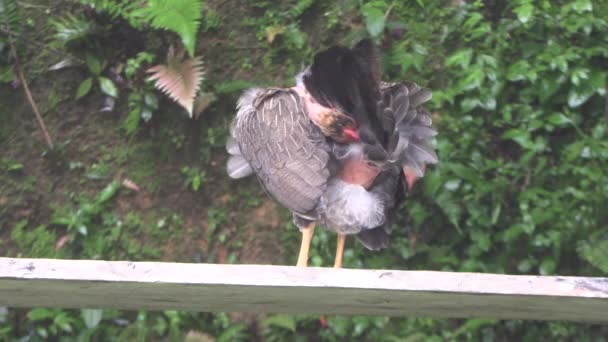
(287, 152)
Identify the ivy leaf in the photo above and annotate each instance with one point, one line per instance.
(374, 17)
(84, 88)
(108, 87)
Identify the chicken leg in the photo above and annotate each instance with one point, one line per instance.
(305, 246)
(339, 250)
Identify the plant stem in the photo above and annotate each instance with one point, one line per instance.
(606, 101)
(26, 88)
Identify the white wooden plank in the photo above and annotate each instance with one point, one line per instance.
(259, 288)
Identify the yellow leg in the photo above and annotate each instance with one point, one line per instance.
(339, 250)
(305, 246)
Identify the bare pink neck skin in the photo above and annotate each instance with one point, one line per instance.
(357, 171)
(354, 170)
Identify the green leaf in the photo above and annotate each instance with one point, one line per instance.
(559, 119)
(519, 71)
(461, 57)
(84, 88)
(40, 314)
(547, 267)
(525, 265)
(595, 252)
(521, 137)
(295, 36)
(107, 193)
(374, 17)
(231, 86)
(151, 100)
(6, 73)
(235, 332)
(91, 317)
(180, 16)
(108, 87)
(451, 208)
(132, 121)
(581, 6)
(577, 97)
(93, 64)
(196, 183)
(524, 12)
(282, 321)
(14, 167)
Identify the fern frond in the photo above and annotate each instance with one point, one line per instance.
(595, 252)
(118, 8)
(10, 21)
(180, 16)
(180, 78)
(300, 8)
(70, 29)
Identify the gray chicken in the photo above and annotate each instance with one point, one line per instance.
(341, 148)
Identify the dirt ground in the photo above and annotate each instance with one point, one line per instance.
(86, 138)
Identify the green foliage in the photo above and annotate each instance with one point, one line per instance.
(180, 16)
(373, 12)
(519, 98)
(87, 212)
(57, 321)
(595, 252)
(280, 27)
(106, 85)
(10, 22)
(71, 29)
(194, 177)
(40, 241)
(118, 9)
(143, 103)
(10, 19)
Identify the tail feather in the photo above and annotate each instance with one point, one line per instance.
(410, 131)
(413, 130)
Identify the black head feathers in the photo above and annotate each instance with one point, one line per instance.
(347, 79)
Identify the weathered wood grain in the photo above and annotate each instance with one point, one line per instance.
(257, 288)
